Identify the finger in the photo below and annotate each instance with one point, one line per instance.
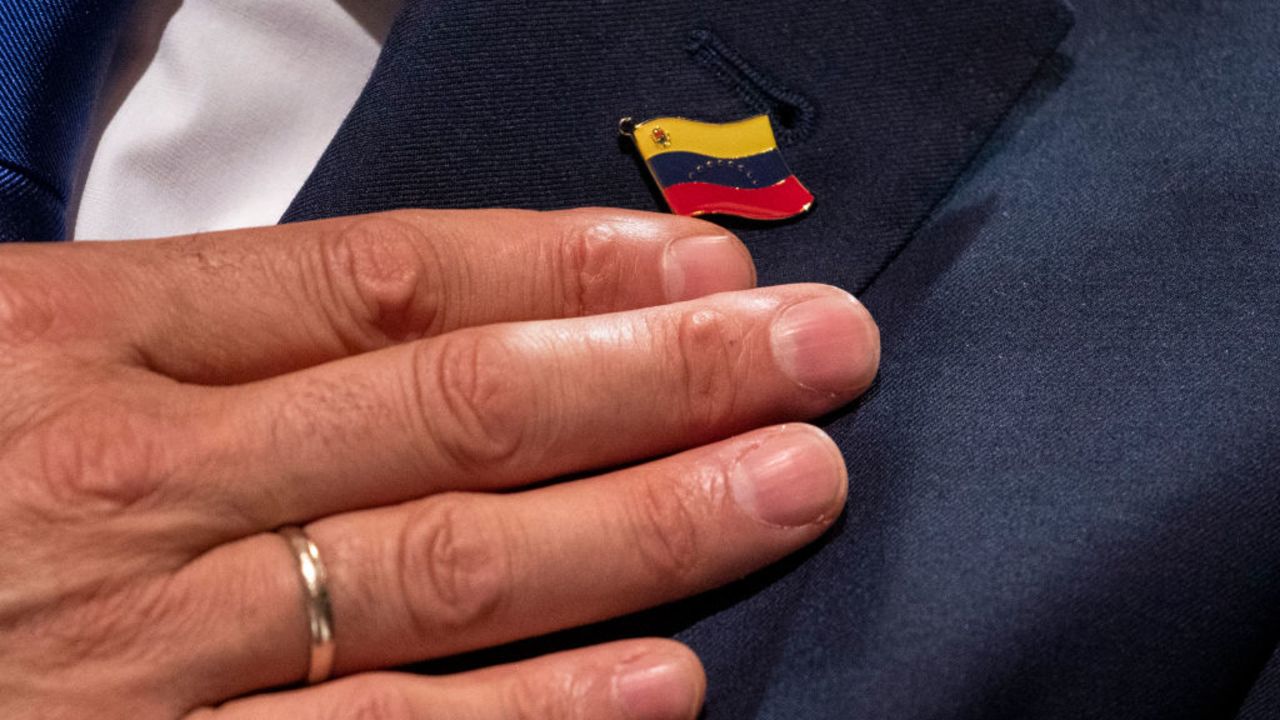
(512, 404)
(244, 304)
(635, 680)
(462, 571)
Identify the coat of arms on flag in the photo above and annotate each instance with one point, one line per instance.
(719, 168)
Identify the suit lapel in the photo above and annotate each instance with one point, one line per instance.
(878, 106)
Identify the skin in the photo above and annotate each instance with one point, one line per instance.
(403, 386)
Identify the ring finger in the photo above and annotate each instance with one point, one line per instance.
(461, 571)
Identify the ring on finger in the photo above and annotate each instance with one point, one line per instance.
(315, 584)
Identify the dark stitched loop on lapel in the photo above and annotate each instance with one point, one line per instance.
(793, 114)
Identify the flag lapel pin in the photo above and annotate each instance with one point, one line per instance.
(719, 168)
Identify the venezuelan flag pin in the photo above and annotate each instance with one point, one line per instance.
(719, 168)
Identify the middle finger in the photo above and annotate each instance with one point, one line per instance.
(512, 404)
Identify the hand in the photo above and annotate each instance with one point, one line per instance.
(169, 404)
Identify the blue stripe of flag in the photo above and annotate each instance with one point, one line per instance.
(755, 171)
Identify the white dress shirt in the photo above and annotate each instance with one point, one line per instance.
(215, 111)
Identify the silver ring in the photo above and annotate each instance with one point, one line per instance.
(315, 583)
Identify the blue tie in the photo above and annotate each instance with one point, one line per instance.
(53, 56)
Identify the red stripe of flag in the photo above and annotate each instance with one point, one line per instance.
(776, 202)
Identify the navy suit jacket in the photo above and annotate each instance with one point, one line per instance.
(1066, 484)
(1065, 493)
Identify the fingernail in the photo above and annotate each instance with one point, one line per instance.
(649, 690)
(698, 266)
(791, 479)
(822, 344)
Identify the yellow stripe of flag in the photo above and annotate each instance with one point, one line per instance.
(722, 140)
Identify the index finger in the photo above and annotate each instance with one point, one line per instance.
(247, 304)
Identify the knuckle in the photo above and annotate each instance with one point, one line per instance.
(454, 567)
(709, 351)
(391, 277)
(372, 698)
(26, 310)
(666, 525)
(100, 460)
(591, 267)
(476, 398)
